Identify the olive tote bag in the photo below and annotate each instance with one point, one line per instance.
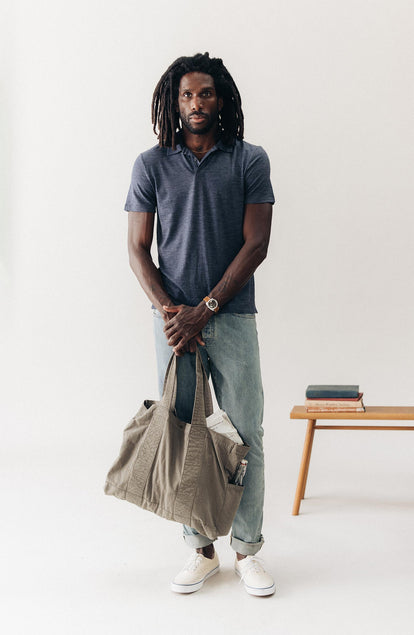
(180, 471)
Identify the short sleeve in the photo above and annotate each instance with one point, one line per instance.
(141, 195)
(258, 188)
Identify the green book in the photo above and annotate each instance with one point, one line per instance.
(332, 391)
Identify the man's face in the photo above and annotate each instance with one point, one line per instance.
(198, 103)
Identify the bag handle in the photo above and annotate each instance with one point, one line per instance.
(184, 499)
(203, 404)
(169, 392)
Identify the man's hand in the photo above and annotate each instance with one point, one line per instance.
(183, 330)
(191, 345)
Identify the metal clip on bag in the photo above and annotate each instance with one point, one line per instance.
(178, 470)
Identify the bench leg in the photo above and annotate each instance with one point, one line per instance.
(312, 434)
(304, 466)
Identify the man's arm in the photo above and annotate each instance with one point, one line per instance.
(256, 233)
(140, 236)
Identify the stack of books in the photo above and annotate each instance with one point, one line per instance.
(334, 398)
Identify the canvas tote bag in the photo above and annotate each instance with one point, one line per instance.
(180, 471)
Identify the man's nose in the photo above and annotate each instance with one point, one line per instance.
(197, 103)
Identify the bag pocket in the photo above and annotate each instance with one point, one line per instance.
(231, 504)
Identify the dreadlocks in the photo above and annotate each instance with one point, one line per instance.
(163, 109)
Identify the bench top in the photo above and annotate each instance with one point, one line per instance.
(371, 412)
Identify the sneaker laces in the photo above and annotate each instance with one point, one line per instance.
(253, 564)
(194, 561)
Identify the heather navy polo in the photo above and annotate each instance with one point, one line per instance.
(200, 210)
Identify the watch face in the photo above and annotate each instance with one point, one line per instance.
(212, 304)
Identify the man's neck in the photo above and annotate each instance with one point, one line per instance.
(202, 143)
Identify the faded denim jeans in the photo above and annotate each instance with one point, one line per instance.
(231, 357)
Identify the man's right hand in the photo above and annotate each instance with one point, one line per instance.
(191, 345)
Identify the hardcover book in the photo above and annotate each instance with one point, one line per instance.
(334, 409)
(329, 402)
(332, 391)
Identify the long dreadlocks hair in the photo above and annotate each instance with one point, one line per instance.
(166, 119)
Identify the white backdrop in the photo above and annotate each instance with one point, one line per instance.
(327, 89)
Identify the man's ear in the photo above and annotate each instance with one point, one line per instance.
(220, 103)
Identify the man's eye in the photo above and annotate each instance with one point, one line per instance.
(187, 94)
(207, 93)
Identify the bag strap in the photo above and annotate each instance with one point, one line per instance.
(169, 392)
(203, 403)
(196, 444)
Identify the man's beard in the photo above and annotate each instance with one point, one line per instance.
(210, 121)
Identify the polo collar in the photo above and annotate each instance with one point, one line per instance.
(180, 147)
(222, 146)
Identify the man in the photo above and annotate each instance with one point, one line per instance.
(213, 198)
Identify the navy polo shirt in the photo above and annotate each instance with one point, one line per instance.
(200, 210)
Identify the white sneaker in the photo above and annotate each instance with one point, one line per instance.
(256, 580)
(198, 568)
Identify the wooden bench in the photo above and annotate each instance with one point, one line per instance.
(388, 413)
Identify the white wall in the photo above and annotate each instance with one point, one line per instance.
(327, 90)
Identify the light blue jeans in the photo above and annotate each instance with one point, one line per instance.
(231, 356)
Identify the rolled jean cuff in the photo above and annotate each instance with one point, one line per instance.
(246, 548)
(196, 541)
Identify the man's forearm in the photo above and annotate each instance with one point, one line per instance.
(149, 278)
(239, 272)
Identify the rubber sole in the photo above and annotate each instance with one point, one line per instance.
(192, 588)
(258, 590)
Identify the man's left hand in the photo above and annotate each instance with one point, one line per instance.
(186, 323)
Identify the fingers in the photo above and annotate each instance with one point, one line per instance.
(172, 309)
(169, 329)
(189, 346)
(199, 340)
(170, 325)
(180, 348)
(174, 339)
(174, 333)
(192, 346)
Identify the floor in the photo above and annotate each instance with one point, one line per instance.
(76, 561)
